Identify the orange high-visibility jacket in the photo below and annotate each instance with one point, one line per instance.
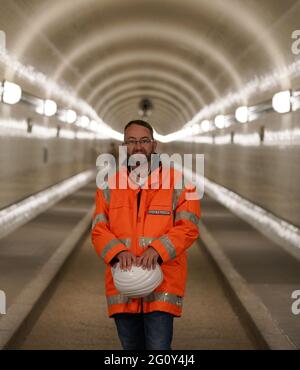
(166, 219)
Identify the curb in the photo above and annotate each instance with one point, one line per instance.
(27, 301)
(255, 312)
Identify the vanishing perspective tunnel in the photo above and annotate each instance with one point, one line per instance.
(219, 82)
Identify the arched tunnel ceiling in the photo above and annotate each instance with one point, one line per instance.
(181, 54)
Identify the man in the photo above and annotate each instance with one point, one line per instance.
(146, 225)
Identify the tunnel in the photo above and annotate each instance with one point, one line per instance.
(218, 83)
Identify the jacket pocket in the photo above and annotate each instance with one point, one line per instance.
(120, 216)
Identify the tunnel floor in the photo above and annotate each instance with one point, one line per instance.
(75, 316)
(268, 269)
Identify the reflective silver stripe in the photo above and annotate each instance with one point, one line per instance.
(145, 241)
(169, 246)
(106, 193)
(113, 243)
(126, 241)
(175, 197)
(99, 218)
(117, 299)
(187, 216)
(164, 297)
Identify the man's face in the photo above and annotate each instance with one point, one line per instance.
(136, 133)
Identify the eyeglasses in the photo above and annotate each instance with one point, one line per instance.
(132, 142)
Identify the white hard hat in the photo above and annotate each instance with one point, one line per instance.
(137, 282)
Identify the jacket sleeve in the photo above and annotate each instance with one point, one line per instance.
(185, 230)
(106, 244)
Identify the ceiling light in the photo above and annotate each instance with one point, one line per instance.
(50, 107)
(84, 121)
(205, 125)
(281, 102)
(11, 93)
(241, 114)
(70, 116)
(220, 121)
(93, 125)
(46, 107)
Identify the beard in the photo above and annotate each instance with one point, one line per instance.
(138, 156)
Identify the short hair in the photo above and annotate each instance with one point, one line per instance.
(139, 122)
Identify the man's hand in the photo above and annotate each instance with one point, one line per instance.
(148, 259)
(126, 260)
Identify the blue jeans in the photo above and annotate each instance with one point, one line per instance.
(145, 331)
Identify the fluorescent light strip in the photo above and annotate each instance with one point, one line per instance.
(20, 213)
(262, 84)
(223, 139)
(67, 134)
(259, 84)
(247, 139)
(279, 231)
(43, 132)
(64, 93)
(271, 138)
(15, 128)
(282, 137)
(85, 135)
(199, 139)
(11, 127)
(39, 79)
